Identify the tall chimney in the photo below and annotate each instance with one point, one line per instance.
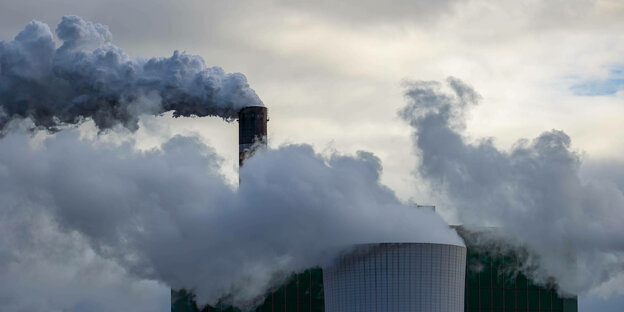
(252, 128)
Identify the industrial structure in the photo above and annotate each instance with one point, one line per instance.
(489, 286)
(252, 130)
(495, 282)
(398, 276)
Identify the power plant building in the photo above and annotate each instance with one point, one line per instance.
(401, 277)
(494, 283)
(488, 286)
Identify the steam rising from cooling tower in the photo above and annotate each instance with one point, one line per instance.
(88, 77)
(533, 193)
(169, 215)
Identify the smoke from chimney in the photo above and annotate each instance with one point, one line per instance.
(88, 77)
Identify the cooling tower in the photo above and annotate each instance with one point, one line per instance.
(252, 130)
(397, 277)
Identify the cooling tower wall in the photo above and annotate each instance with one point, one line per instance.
(397, 277)
(252, 128)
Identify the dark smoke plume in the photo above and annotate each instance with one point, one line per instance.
(533, 193)
(88, 77)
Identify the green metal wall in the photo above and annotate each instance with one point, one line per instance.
(492, 285)
(302, 293)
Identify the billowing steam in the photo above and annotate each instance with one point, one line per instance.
(169, 215)
(88, 77)
(532, 193)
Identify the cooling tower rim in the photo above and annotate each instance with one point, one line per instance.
(360, 248)
(365, 249)
(404, 243)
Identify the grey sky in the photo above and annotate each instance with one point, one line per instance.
(331, 73)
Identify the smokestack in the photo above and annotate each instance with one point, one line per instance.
(252, 128)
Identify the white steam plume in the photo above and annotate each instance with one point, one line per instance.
(169, 215)
(88, 77)
(533, 192)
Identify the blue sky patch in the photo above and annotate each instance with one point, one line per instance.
(607, 86)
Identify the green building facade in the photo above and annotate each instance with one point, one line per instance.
(302, 293)
(492, 285)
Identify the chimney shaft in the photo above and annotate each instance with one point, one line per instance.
(252, 128)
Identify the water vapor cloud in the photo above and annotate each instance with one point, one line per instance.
(533, 192)
(89, 77)
(169, 215)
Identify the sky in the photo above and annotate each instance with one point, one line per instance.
(334, 76)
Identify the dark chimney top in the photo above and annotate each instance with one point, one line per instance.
(252, 129)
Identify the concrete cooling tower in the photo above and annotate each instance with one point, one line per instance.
(397, 277)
